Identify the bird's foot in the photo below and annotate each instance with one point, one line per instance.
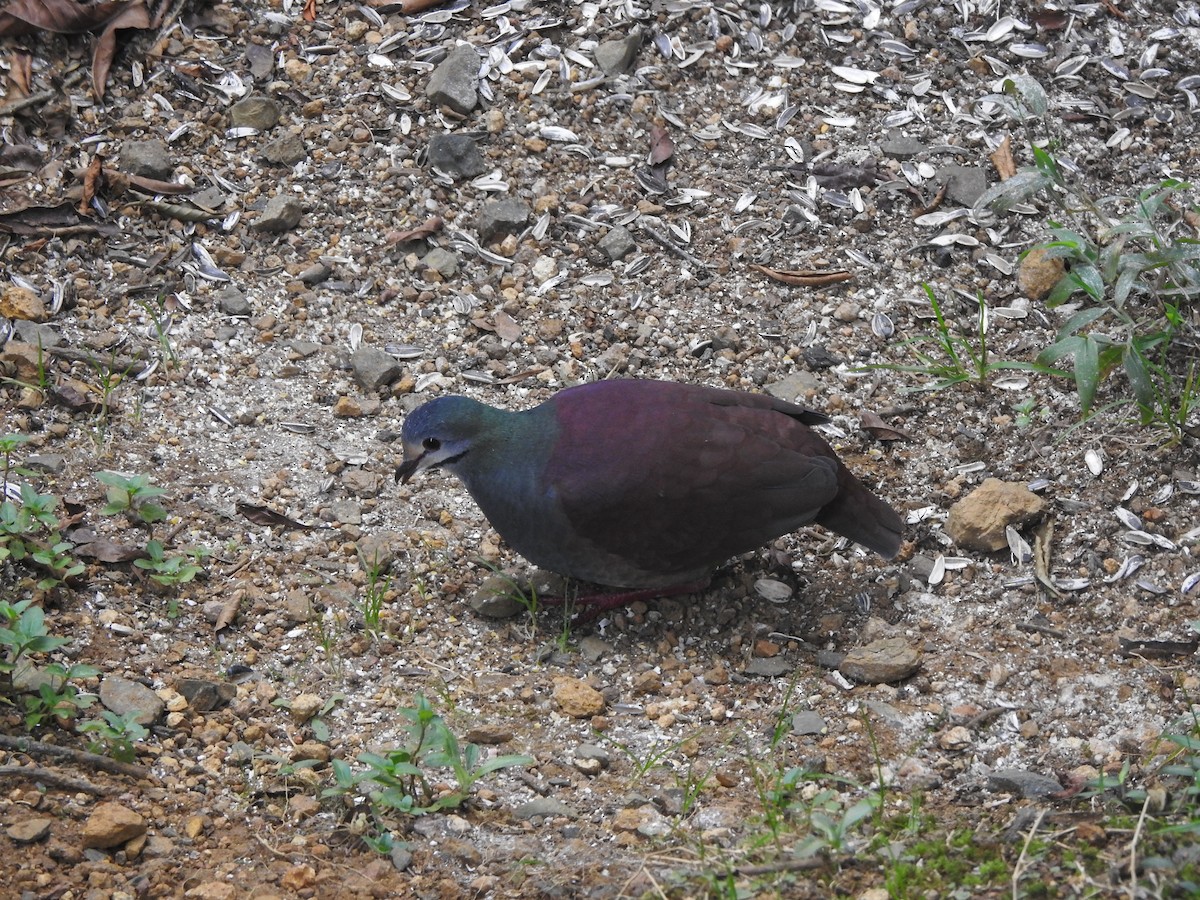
(592, 606)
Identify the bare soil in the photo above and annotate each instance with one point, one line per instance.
(233, 382)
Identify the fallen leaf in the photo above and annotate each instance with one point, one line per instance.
(879, 429)
(1002, 159)
(106, 45)
(429, 227)
(662, 148)
(229, 612)
(104, 550)
(93, 184)
(506, 326)
(261, 515)
(58, 16)
(804, 277)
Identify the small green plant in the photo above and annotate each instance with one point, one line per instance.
(379, 584)
(114, 735)
(1131, 261)
(23, 634)
(9, 444)
(1028, 411)
(949, 357)
(317, 723)
(29, 534)
(171, 571)
(56, 697)
(654, 758)
(133, 496)
(400, 780)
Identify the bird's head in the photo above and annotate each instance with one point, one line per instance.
(439, 433)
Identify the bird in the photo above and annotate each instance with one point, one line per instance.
(643, 486)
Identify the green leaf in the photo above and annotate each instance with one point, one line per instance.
(1081, 320)
(320, 730)
(1087, 373)
(1060, 348)
(1003, 196)
(1061, 292)
(1139, 378)
(1088, 277)
(503, 762)
(1031, 92)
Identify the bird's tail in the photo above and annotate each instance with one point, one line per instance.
(858, 514)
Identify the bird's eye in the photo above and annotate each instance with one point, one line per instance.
(431, 443)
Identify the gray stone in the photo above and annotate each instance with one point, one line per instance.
(374, 369)
(149, 159)
(457, 155)
(496, 598)
(297, 606)
(285, 151)
(346, 512)
(901, 147)
(315, 274)
(768, 667)
(233, 302)
(543, 808)
(889, 714)
(46, 462)
(594, 648)
(615, 57)
(808, 721)
(1023, 783)
(254, 112)
(261, 60)
(27, 831)
(36, 334)
(964, 184)
(501, 217)
(380, 549)
(125, 697)
(401, 857)
(617, 243)
(203, 695)
(281, 213)
(593, 751)
(455, 81)
(441, 261)
(304, 349)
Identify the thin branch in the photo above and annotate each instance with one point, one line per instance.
(53, 751)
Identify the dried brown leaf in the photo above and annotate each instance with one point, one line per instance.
(429, 227)
(104, 550)
(262, 515)
(506, 326)
(229, 612)
(58, 16)
(804, 277)
(93, 184)
(662, 148)
(879, 429)
(106, 45)
(1002, 159)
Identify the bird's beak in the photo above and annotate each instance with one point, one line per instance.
(408, 469)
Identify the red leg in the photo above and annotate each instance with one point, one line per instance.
(596, 604)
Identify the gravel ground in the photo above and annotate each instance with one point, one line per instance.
(743, 194)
